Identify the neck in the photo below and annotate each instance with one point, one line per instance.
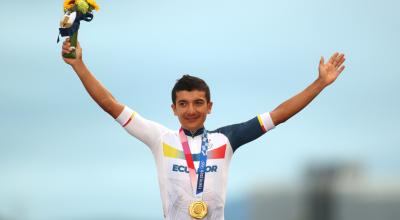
(193, 132)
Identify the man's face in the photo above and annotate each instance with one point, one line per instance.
(192, 108)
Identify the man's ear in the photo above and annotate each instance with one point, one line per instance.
(173, 106)
(209, 106)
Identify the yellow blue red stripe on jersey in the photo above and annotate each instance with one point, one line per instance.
(172, 152)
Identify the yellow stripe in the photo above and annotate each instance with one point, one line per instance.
(133, 115)
(261, 123)
(170, 151)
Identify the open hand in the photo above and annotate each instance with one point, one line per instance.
(328, 72)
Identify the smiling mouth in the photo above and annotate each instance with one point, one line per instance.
(192, 118)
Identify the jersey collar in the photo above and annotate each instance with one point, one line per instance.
(198, 132)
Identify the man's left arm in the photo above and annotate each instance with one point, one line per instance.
(328, 73)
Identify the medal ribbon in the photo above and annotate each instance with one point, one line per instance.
(190, 163)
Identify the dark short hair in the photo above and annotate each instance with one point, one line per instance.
(190, 83)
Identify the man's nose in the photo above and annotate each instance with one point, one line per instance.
(191, 109)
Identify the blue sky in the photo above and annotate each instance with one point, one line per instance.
(61, 157)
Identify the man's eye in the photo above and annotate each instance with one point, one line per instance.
(199, 103)
(182, 104)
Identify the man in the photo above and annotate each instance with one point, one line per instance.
(193, 163)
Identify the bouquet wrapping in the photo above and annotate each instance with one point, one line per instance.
(75, 11)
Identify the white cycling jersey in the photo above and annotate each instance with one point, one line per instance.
(173, 174)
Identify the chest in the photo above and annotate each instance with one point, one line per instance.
(174, 161)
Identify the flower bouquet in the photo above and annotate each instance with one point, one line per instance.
(74, 12)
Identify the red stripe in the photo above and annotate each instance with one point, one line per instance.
(188, 157)
(189, 161)
(130, 119)
(186, 149)
(218, 153)
(263, 128)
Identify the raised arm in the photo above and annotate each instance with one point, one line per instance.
(328, 72)
(95, 89)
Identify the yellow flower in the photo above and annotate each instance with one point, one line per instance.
(94, 5)
(82, 6)
(68, 4)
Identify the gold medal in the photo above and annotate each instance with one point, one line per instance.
(198, 209)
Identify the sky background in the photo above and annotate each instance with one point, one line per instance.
(62, 157)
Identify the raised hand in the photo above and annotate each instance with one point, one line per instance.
(328, 72)
(66, 48)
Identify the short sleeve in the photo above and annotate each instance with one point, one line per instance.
(242, 133)
(147, 131)
(266, 122)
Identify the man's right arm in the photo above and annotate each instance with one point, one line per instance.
(94, 87)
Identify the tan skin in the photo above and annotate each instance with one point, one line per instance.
(192, 107)
(96, 90)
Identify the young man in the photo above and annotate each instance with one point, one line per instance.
(193, 163)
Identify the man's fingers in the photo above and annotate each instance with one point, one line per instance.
(338, 59)
(66, 40)
(333, 57)
(67, 48)
(66, 45)
(66, 51)
(340, 70)
(321, 61)
(341, 61)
